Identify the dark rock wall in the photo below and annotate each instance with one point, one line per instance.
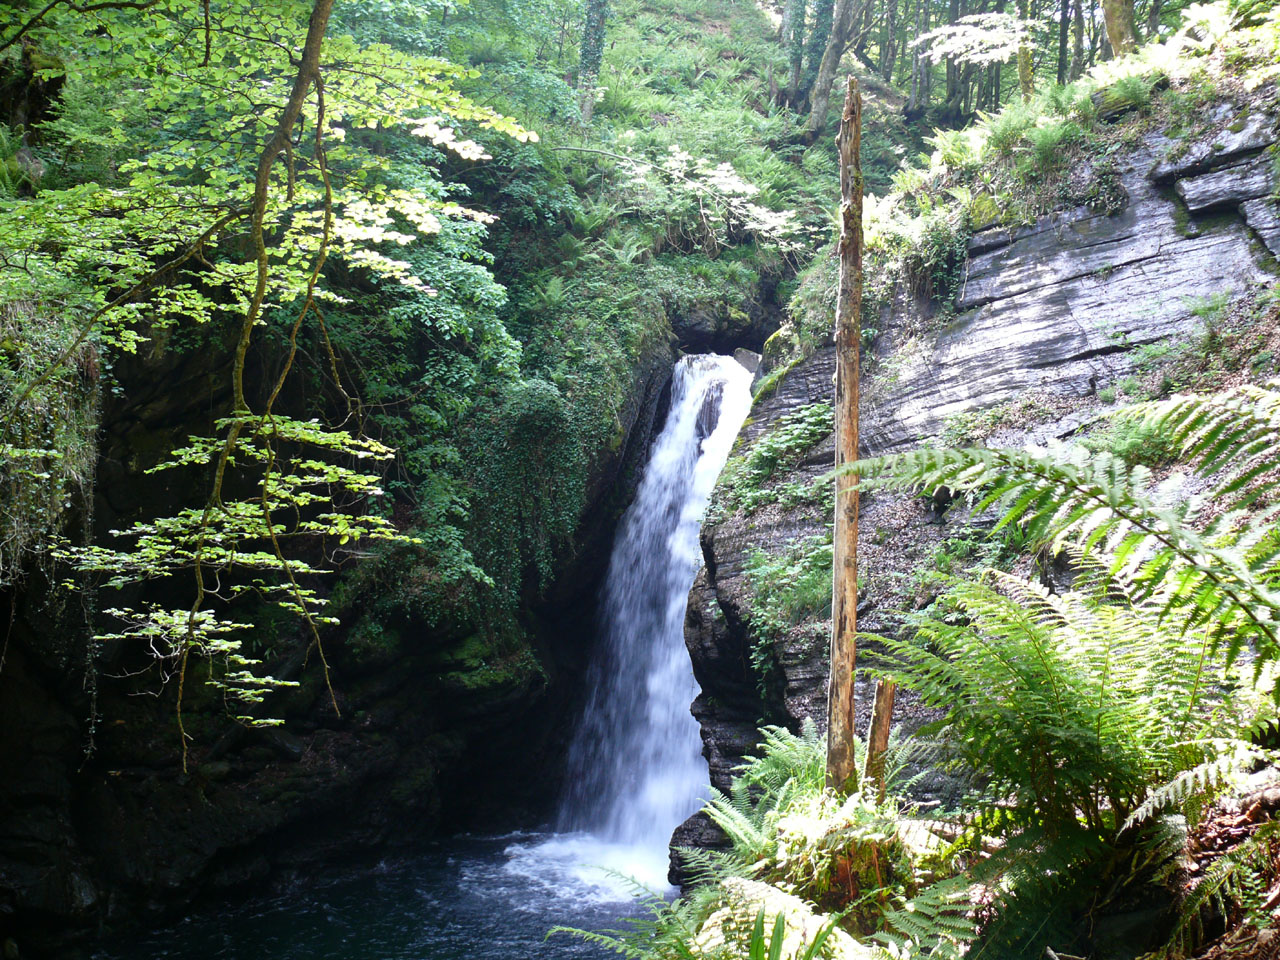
(433, 736)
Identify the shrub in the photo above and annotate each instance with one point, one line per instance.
(1086, 715)
(742, 484)
(1048, 143)
(1005, 130)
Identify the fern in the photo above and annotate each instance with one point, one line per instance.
(1235, 434)
(711, 866)
(1087, 715)
(789, 766)
(1228, 757)
(937, 923)
(1218, 574)
(663, 931)
(1069, 709)
(790, 770)
(1233, 885)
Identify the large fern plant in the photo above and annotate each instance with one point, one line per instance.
(1209, 560)
(1086, 714)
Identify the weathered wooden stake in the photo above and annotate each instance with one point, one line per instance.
(878, 735)
(841, 767)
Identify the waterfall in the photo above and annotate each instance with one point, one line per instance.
(635, 766)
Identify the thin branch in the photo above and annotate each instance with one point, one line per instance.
(78, 8)
(87, 327)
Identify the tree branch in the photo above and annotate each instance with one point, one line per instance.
(78, 8)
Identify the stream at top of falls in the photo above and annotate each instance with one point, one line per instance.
(635, 767)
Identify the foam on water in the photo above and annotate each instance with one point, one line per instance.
(580, 866)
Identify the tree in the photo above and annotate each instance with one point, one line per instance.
(817, 43)
(180, 234)
(841, 768)
(1118, 15)
(793, 37)
(1026, 77)
(1064, 24)
(1077, 42)
(592, 55)
(846, 13)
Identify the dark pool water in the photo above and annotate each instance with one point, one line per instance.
(474, 898)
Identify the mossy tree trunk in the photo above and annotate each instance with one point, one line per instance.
(841, 770)
(1118, 15)
(847, 13)
(816, 46)
(591, 56)
(1026, 76)
(794, 39)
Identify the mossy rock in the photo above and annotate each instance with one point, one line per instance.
(1130, 93)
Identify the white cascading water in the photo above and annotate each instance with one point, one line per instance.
(636, 769)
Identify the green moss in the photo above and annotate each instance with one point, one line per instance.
(744, 483)
(787, 589)
(770, 381)
(484, 670)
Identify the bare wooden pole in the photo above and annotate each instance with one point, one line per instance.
(878, 735)
(841, 767)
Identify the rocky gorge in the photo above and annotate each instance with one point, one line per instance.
(1048, 319)
(525, 380)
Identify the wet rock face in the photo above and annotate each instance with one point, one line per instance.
(1060, 305)
(724, 327)
(1047, 314)
(430, 736)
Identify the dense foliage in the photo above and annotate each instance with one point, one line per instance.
(420, 326)
(481, 353)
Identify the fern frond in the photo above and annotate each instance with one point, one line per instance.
(1235, 434)
(1226, 757)
(612, 943)
(937, 922)
(1222, 578)
(711, 866)
(1230, 881)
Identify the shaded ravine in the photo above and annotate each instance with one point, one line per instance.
(635, 767)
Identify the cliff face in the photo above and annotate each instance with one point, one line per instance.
(1048, 318)
(435, 733)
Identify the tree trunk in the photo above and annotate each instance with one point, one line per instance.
(864, 32)
(1153, 19)
(926, 67)
(913, 103)
(817, 45)
(889, 49)
(1026, 80)
(1077, 42)
(592, 55)
(1118, 15)
(795, 47)
(1064, 27)
(845, 14)
(841, 770)
(878, 735)
(951, 109)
